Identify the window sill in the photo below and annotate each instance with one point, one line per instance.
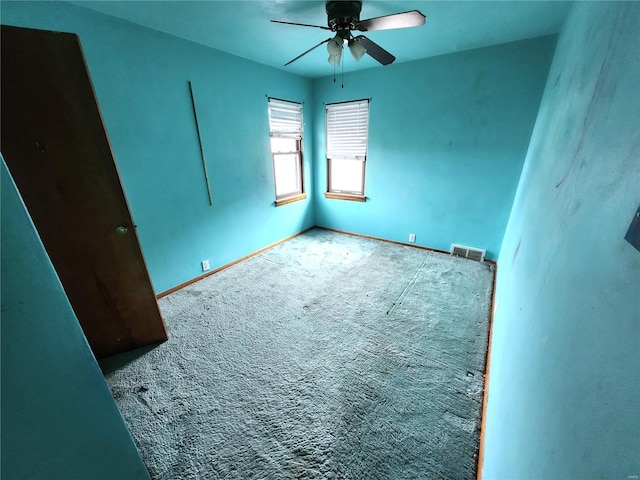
(293, 198)
(344, 196)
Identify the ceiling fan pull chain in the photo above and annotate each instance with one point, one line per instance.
(342, 78)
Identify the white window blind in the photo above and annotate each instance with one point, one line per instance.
(285, 119)
(347, 130)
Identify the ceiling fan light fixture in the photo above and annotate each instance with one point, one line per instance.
(357, 50)
(334, 60)
(334, 47)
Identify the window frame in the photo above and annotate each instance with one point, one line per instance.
(283, 131)
(354, 149)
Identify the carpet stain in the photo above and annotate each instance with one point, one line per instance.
(326, 357)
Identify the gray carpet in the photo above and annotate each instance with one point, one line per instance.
(326, 357)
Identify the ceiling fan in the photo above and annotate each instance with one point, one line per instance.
(343, 17)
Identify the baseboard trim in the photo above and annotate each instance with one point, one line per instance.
(485, 397)
(406, 244)
(382, 239)
(205, 275)
(219, 269)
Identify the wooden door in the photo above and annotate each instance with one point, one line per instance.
(57, 150)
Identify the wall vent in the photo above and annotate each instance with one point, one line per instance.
(471, 253)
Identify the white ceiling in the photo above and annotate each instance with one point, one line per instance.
(243, 28)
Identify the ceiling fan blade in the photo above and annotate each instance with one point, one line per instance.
(399, 20)
(375, 50)
(304, 53)
(301, 24)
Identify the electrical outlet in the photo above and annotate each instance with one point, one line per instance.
(412, 238)
(205, 265)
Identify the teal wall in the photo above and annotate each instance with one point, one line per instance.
(140, 77)
(447, 140)
(565, 370)
(59, 420)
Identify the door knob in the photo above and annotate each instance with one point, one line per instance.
(121, 229)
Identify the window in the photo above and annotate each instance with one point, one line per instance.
(347, 132)
(285, 124)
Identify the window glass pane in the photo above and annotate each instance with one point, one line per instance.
(287, 174)
(346, 176)
(283, 145)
